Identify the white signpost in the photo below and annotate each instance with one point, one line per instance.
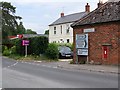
(25, 43)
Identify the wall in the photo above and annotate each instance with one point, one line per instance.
(104, 33)
(56, 37)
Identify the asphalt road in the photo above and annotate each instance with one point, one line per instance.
(40, 75)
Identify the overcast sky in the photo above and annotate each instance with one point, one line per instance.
(38, 14)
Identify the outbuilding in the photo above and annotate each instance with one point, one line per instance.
(96, 36)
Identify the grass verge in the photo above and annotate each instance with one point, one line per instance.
(31, 58)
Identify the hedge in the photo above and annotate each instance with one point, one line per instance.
(52, 51)
(37, 45)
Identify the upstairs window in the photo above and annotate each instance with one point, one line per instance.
(54, 30)
(67, 29)
(61, 29)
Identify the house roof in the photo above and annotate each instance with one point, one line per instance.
(69, 18)
(108, 12)
(33, 35)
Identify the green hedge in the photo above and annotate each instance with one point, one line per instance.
(6, 51)
(52, 51)
(37, 45)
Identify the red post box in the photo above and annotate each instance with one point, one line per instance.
(105, 52)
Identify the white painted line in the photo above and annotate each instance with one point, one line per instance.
(15, 63)
(12, 65)
(54, 67)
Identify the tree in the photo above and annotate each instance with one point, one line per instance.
(29, 31)
(47, 32)
(21, 29)
(9, 20)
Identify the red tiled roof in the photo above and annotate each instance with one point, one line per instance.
(109, 11)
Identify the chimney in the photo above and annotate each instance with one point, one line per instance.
(62, 14)
(87, 8)
(100, 3)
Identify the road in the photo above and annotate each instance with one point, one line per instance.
(19, 74)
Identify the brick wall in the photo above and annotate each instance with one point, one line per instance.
(105, 33)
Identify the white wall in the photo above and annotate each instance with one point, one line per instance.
(56, 37)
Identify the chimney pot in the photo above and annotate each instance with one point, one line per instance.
(87, 8)
(62, 14)
(100, 3)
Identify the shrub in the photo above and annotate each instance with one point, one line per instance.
(52, 51)
(72, 62)
(6, 52)
(38, 45)
(82, 62)
(3, 48)
(13, 50)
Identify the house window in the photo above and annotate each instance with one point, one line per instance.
(68, 40)
(67, 29)
(61, 41)
(54, 41)
(61, 29)
(54, 30)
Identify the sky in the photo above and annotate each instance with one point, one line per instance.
(38, 14)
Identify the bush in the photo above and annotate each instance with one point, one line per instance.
(13, 50)
(3, 48)
(52, 51)
(72, 62)
(82, 62)
(38, 45)
(6, 52)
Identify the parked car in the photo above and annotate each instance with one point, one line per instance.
(65, 52)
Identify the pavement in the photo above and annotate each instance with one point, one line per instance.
(89, 67)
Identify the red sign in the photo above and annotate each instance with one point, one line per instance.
(20, 36)
(25, 42)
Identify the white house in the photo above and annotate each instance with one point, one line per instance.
(60, 31)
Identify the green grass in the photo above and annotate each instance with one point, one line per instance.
(31, 58)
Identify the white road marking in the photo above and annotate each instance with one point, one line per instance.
(13, 65)
(54, 67)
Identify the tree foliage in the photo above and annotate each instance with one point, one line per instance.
(9, 20)
(47, 32)
(21, 29)
(29, 31)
